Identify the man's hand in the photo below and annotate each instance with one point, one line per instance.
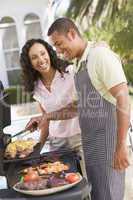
(33, 124)
(121, 157)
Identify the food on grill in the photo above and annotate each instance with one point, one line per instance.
(27, 170)
(31, 176)
(33, 185)
(55, 181)
(20, 148)
(72, 177)
(11, 150)
(40, 183)
(48, 168)
(45, 175)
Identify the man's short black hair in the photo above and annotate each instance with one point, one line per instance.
(62, 25)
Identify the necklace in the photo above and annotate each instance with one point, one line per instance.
(47, 83)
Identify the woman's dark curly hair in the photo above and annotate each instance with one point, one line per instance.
(29, 74)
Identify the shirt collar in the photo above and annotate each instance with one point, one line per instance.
(83, 57)
(57, 76)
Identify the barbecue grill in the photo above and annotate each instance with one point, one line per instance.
(14, 166)
(11, 168)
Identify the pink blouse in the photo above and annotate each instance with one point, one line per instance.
(62, 93)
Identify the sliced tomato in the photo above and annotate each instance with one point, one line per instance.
(31, 176)
(26, 178)
(72, 177)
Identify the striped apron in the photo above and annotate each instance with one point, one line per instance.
(97, 118)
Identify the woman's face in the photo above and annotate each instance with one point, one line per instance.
(39, 58)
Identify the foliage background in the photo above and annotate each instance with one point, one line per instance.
(109, 20)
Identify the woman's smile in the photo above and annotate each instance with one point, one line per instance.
(43, 66)
(39, 58)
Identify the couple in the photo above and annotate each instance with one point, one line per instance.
(103, 103)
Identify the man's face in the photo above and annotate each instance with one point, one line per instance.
(64, 44)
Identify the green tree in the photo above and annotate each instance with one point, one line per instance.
(112, 21)
(94, 10)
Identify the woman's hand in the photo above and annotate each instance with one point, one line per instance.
(33, 124)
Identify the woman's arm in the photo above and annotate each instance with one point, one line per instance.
(68, 112)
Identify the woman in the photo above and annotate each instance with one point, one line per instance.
(53, 87)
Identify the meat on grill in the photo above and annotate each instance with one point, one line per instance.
(55, 181)
(33, 185)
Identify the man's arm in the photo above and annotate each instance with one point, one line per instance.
(120, 92)
(68, 112)
(44, 128)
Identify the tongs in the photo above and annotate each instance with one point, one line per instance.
(7, 137)
(19, 133)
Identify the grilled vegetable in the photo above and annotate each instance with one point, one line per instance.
(72, 177)
(31, 176)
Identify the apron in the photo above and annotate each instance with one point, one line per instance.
(97, 118)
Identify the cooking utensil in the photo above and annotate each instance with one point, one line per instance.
(19, 133)
(7, 138)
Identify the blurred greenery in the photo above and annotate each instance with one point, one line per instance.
(115, 27)
(94, 10)
(17, 95)
(130, 90)
(14, 77)
(128, 68)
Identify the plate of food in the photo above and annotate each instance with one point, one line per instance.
(36, 185)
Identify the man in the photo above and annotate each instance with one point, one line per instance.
(103, 106)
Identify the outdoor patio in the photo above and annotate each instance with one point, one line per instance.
(109, 21)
